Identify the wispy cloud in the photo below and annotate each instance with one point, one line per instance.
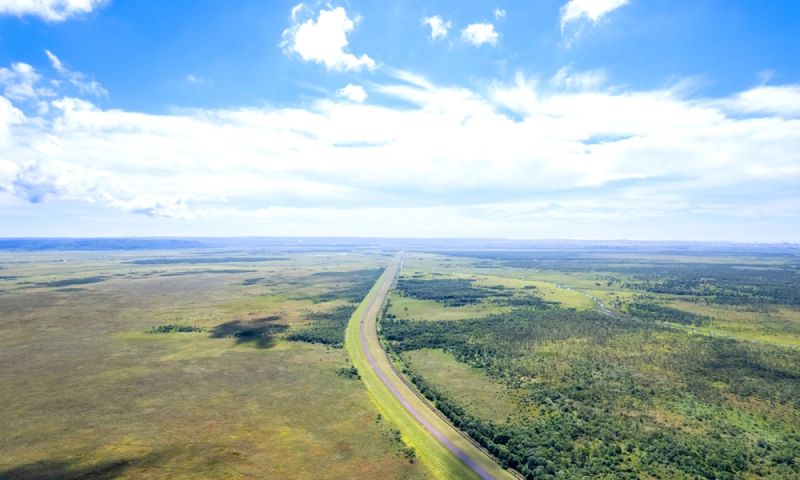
(324, 39)
(50, 10)
(568, 79)
(79, 80)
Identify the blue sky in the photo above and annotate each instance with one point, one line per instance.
(593, 119)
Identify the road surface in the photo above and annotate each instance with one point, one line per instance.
(396, 399)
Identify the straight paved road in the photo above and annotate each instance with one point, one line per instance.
(476, 460)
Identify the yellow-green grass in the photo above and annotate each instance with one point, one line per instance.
(86, 392)
(440, 461)
(548, 291)
(406, 308)
(478, 394)
(777, 325)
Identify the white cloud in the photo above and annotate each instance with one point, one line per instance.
(354, 93)
(578, 15)
(439, 27)
(20, 81)
(77, 79)
(592, 10)
(9, 115)
(766, 100)
(325, 40)
(499, 13)
(478, 34)
(568, 79)
(50, 10)
(508, 160)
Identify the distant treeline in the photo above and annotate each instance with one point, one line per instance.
(459, 292)
(201, 260)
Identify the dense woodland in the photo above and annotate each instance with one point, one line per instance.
(618, 397)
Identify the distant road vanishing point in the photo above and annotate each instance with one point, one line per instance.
(439, 444)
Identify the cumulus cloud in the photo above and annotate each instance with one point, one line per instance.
(354, 93)
(20, 81)
(517, 154)
(324, 39)
(439, 26)
(79, 80)
(50, 10)
(591, 10)
(578, 15)
(478, 34)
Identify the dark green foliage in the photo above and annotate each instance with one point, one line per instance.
(349, 372)
(409, 453)
(327, 328)
(592, 419)
(352, 285)
(651, 311)
(453, 292)
(174, 328)
(197, 272)
(72, 281)
(202, 260)
(260, 331)
(727, 283)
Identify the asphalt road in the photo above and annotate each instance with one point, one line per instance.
(399, 390)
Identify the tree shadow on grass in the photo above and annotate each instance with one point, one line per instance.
(260, 331)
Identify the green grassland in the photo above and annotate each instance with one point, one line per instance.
(88, 392)
(431, 310)
(480, 395)
(693, 373)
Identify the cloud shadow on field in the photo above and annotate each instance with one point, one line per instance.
(260, 331)
(70, 469)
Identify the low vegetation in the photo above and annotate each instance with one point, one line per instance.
(327, 328)
(632, 394)
(97, 396)
(174, 328)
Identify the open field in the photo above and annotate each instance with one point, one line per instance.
(689, 370)
(87, 392)
(230, 364)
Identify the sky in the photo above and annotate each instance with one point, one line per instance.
(580, 119)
